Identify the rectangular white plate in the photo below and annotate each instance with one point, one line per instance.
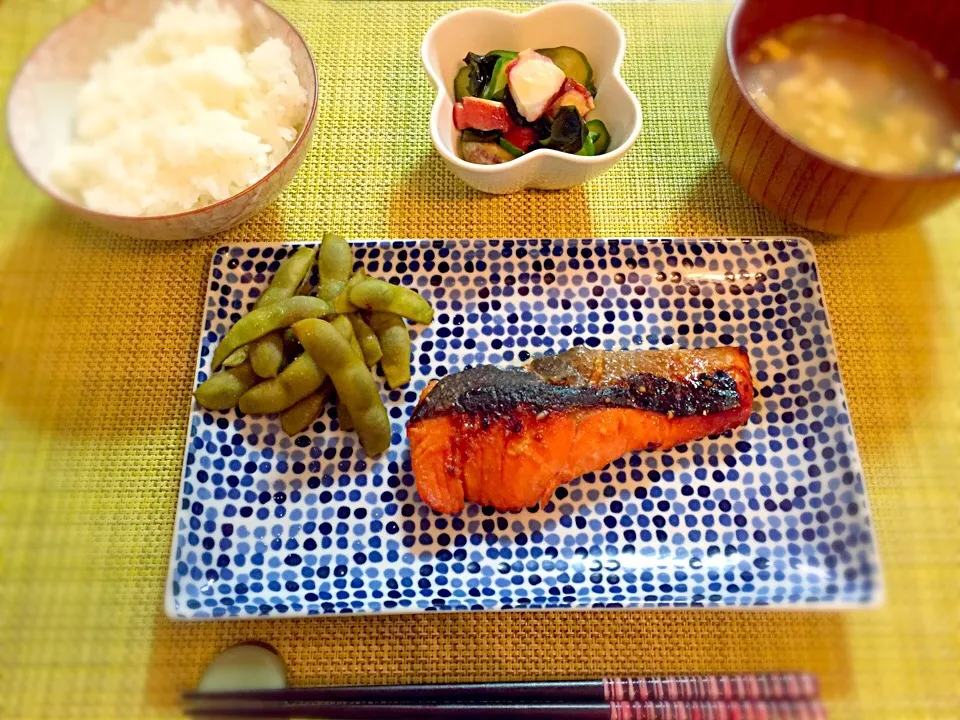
(772, 514)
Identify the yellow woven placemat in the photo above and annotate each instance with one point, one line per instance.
(97, 345)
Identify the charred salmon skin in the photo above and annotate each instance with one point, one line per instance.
(509, 437)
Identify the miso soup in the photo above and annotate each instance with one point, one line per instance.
(857, 94)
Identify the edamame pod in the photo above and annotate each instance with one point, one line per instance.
(293, 269)
(343, 417)
(352, 380)
(223, 390)
(395, 345)
(367, 338)
(299, 416)
(237, 357)
(385, 297)
(266, 355)
(334, 263)
(262, 320)
(343, 326)
(298, 379)
(341, 303)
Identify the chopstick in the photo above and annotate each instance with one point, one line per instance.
(665, 710)
(789, 686)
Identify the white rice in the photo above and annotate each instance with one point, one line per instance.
(183, 116)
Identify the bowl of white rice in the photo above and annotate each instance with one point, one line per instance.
(165, 119)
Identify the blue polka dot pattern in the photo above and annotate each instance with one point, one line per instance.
(773, 514)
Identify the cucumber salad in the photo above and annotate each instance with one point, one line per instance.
(509, 104)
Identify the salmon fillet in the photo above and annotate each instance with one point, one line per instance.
(509, 437)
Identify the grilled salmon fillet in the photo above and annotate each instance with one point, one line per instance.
(509, 437)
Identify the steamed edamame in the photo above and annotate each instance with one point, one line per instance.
(279, 357)
(352, 380)
(396, 347)
(260, 321)
(386, 297)
(224, 389)
(334, 263)
(367, 339)
(301, 414)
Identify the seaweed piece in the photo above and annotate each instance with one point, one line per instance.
(568, 132)
(481, 71)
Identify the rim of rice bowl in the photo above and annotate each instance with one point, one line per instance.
(51, 188)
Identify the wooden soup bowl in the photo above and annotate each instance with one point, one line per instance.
(799, 184)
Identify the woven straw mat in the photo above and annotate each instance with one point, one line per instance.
(98, 343)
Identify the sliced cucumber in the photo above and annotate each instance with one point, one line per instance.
(485, 76)
(573, 63)
(588, 148)
(461, 84)
(510, 147)
(602, 143)
(498, 80)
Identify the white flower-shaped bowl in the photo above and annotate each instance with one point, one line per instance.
(584, 27)
(40, 111)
